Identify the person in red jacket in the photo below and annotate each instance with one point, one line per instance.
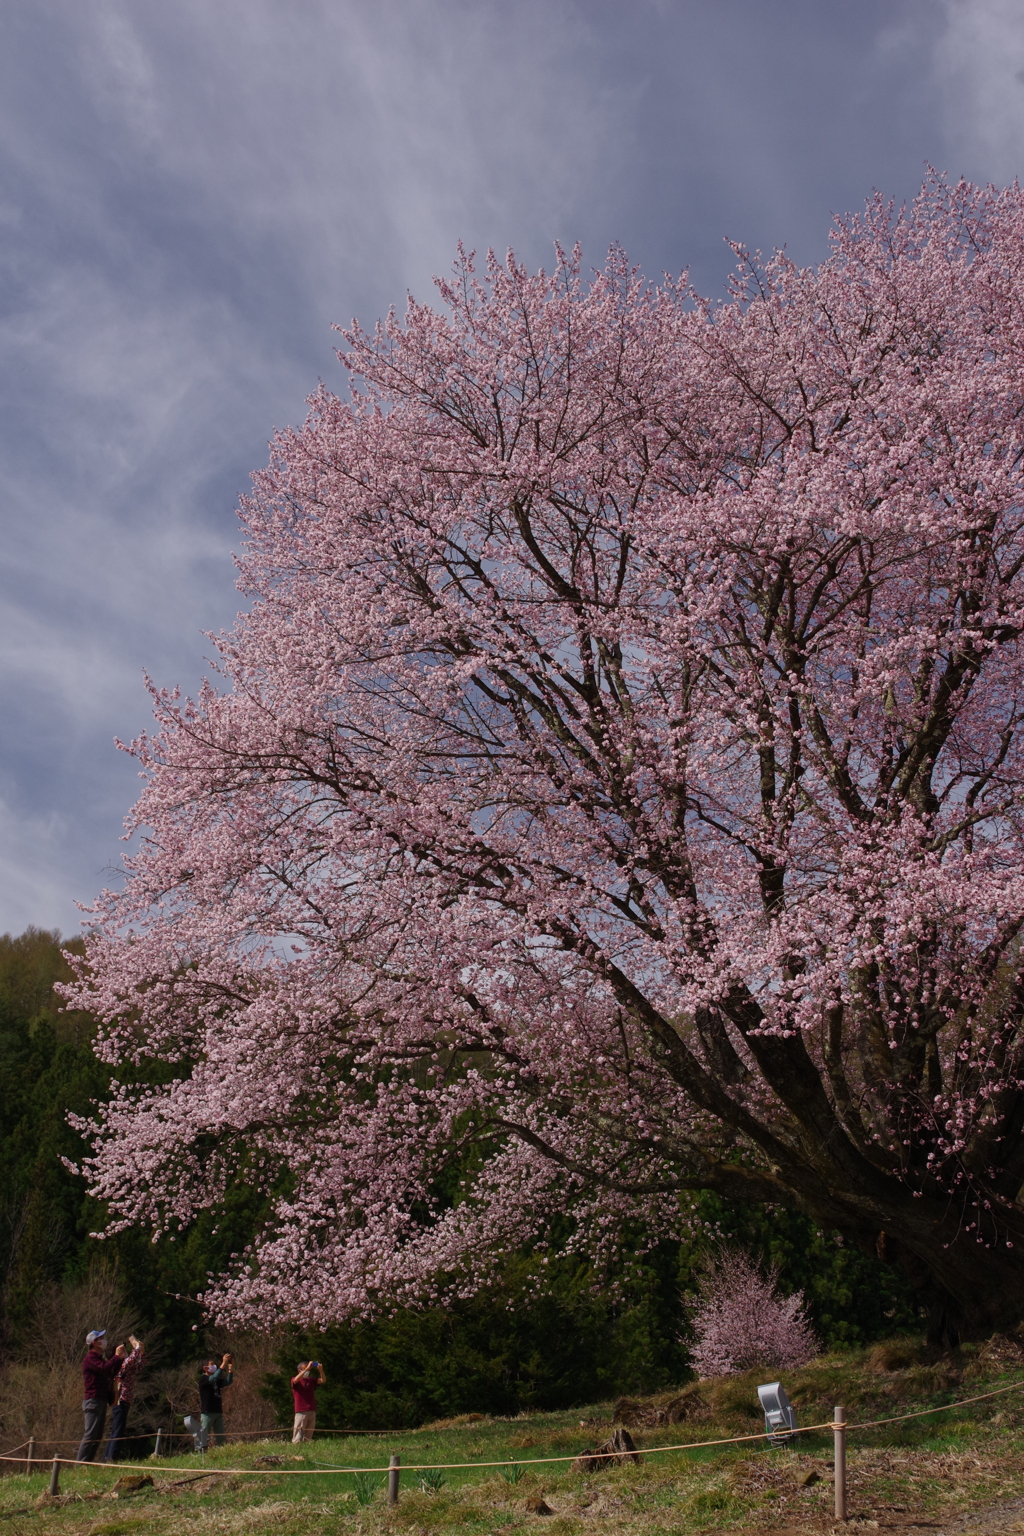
(304, 1384)
(97, 1380)
(124, 1393)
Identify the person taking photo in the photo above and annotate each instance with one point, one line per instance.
(97, 1379)
(124, 1394)
(213, 1378)
(304, 1384)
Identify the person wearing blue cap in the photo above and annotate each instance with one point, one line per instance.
(97, 1375)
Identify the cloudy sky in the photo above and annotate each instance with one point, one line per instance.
(192, 191)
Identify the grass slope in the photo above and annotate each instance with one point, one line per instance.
(921, 1473)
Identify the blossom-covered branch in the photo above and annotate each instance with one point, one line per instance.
(614, 788)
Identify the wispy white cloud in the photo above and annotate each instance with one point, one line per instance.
(190, 194)
(33, 868)
(979, 73)
(195, 193)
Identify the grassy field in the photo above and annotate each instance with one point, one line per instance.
(917, 1474)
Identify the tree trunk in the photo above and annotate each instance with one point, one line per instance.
(967, 1289)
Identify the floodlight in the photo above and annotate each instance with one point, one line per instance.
(200, 1434)
(779, 1413)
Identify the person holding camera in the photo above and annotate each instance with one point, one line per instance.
(124, 1393)
(304, 1384)
(97, 1380)
(213, 1378)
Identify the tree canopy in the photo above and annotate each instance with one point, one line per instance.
(613, 791)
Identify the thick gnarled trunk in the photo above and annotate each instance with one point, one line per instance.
(966, 1288)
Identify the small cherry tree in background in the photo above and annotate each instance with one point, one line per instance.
(614, 790)
(741, 1320)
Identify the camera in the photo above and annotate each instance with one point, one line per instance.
(316, 1363)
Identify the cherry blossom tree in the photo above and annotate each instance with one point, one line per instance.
(613, 790)
(741, 1320)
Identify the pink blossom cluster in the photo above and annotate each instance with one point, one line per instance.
(614, 788)
(742, 1321)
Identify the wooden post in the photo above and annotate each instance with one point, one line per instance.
(30, 1458)
(839, 1428)
(393, 1476)
(159, 1440)
(55, 1476)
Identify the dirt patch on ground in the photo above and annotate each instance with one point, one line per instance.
(1007, 1515)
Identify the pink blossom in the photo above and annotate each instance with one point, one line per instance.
(615, 787)
(740, 1320)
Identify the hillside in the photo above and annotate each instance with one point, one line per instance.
(922, 1474)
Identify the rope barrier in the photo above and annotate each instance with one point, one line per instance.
(231, 1434)
(456, 1466)
(442, 1466)
(277, 1429)
(922, 1413)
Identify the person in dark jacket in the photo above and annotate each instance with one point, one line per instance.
(97, 1379)
(213, 1378)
